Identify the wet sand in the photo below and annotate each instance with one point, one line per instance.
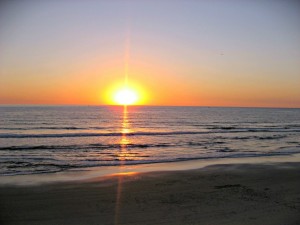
(219, 194)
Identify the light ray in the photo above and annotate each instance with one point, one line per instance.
(125, 96)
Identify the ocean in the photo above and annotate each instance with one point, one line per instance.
(47, 139)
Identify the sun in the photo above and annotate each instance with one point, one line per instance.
(131, 93)
(126, 96)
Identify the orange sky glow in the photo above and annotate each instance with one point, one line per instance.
(169, 56)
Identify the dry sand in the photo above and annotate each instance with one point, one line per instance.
(238, 194)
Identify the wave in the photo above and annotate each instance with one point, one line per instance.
(90, 134)
(273, 137)
(95, 134)
(83, 147)
(241, 155)
(232, 129)
(22, 167)
(51, 128)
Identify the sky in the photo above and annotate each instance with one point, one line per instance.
(198, 53)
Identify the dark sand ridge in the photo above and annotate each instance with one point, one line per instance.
(219, 194)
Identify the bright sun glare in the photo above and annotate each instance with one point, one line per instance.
(126, 96)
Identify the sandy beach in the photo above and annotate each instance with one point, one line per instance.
(217, 194)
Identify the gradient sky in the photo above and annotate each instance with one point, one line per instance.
(206, 53)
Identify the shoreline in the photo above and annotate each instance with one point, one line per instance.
(83, 174)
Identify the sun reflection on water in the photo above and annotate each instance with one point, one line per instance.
(124, 154)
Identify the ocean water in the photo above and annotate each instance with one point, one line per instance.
(50, 139)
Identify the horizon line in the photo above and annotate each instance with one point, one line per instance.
(108, 105)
